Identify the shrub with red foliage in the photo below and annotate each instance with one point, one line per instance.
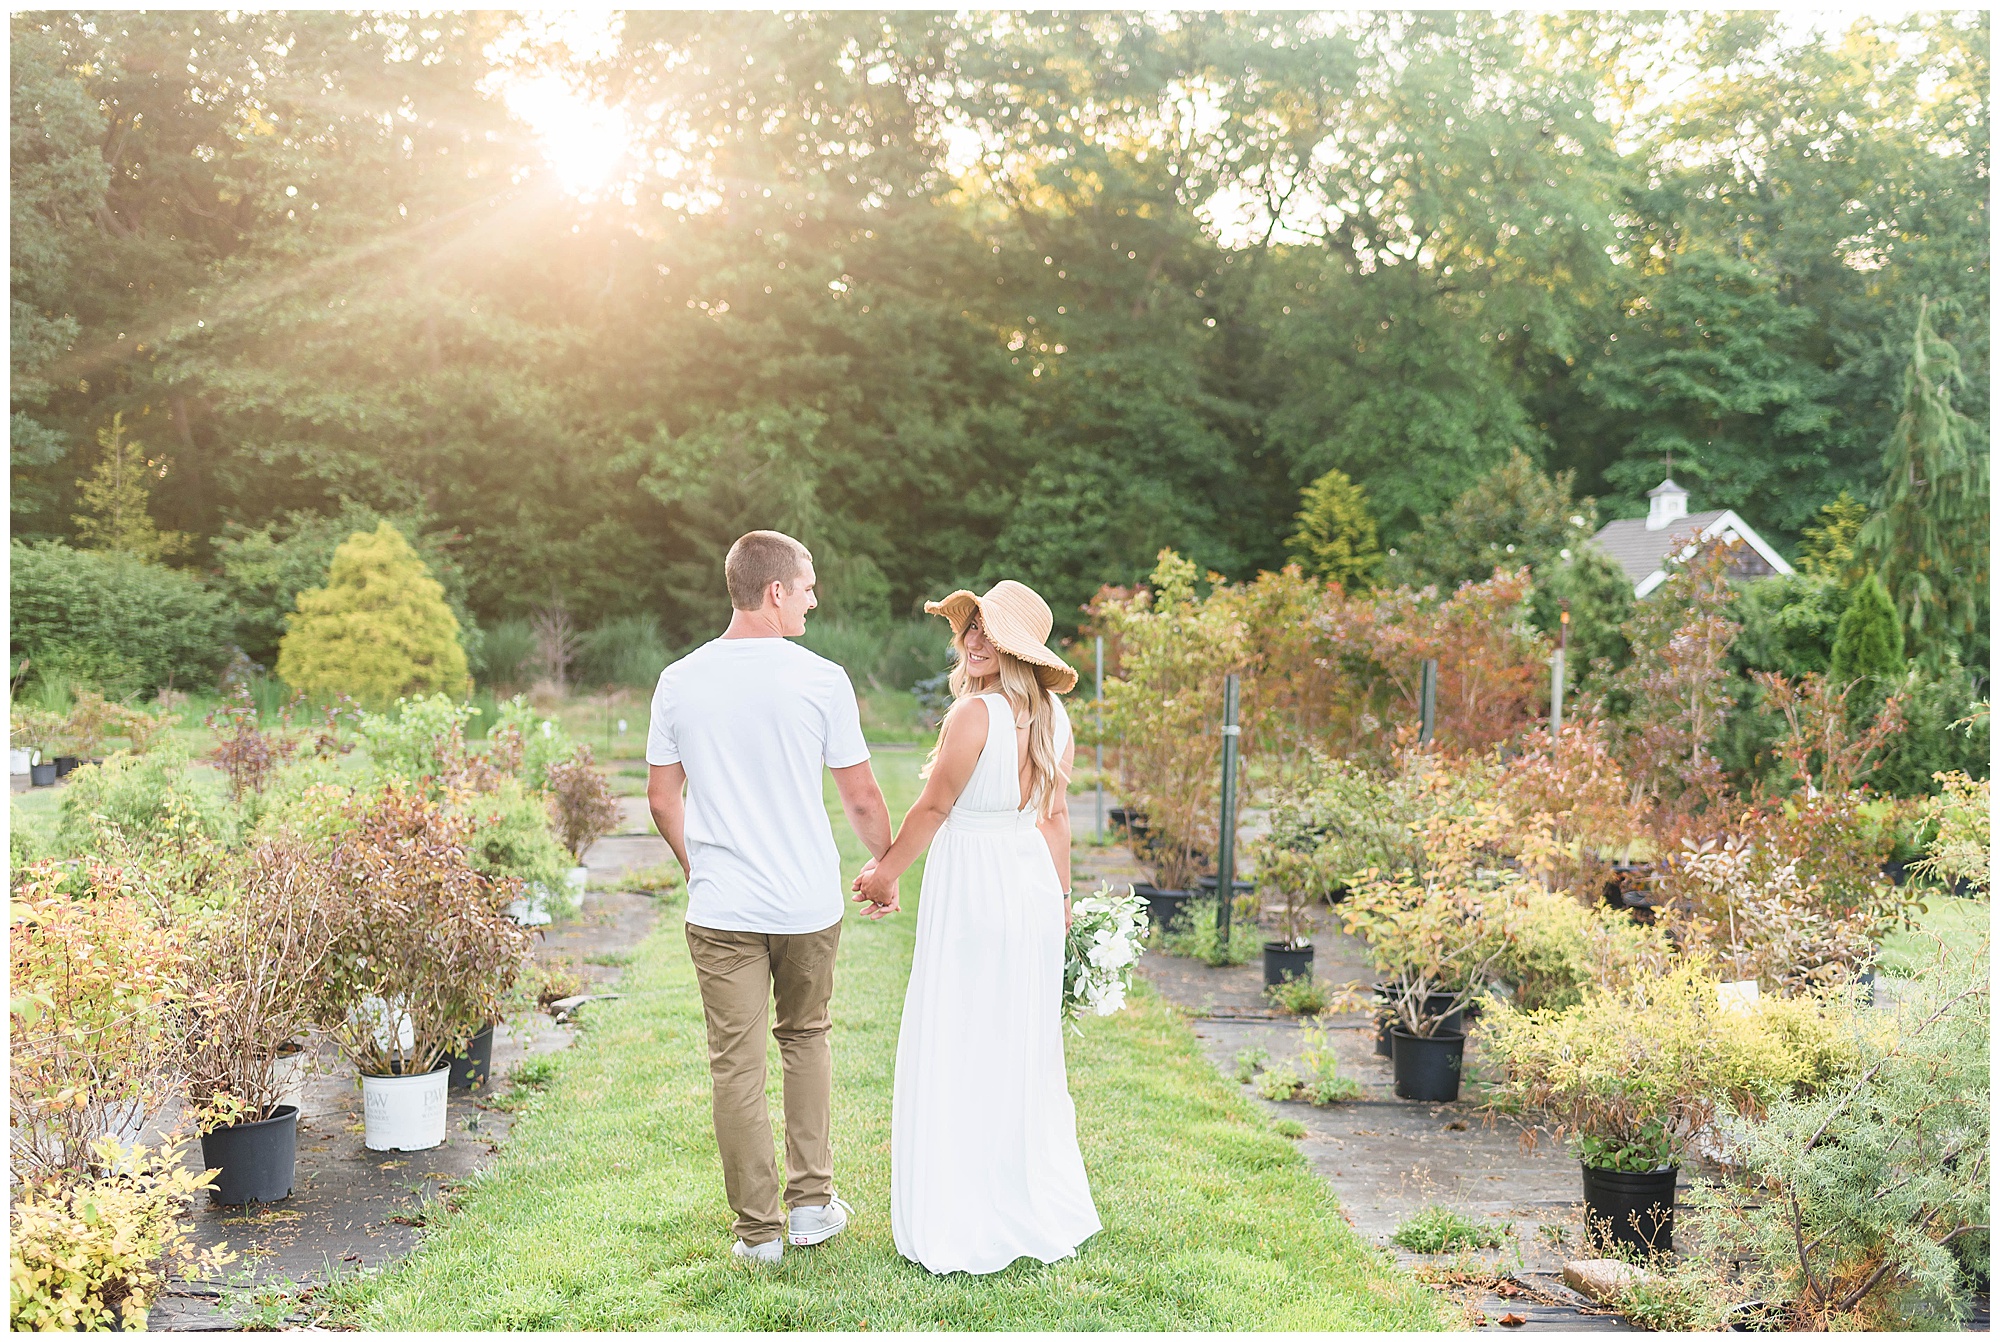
(425, 933)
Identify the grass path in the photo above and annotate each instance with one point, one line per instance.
(606, 1210)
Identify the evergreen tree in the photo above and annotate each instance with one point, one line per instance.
(1869, 641)
(1828, 551)
(1927, 539)
(379, 629)
(115, 498)
(1336, 535)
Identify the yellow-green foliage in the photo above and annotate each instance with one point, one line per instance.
(90, 1255)
(1962, 848)
(1664, 1051)
(1556, 947)
(378, 630)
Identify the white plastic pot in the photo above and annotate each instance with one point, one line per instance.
(578, 880)
(20, 761)
(290, 1073)
(532, 910)
(404, 1113)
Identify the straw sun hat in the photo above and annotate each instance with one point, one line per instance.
(1017, 622)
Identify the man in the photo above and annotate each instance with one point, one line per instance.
(743, 724)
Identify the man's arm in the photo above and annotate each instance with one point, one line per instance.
(665, 784)
(861, 798)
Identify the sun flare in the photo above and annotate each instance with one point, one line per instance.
(585, 141)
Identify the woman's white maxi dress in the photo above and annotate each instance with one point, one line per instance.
(984, 1166)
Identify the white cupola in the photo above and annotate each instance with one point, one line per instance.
(1669, 501)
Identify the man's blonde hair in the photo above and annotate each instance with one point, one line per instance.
(758, 559)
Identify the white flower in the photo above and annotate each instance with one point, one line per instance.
(1114, 954)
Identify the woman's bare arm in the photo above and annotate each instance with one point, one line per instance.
(964, 736)
(1055, 829)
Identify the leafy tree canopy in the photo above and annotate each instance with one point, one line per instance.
(954, 296)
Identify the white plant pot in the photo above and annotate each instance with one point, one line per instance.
(532, 909)
(290, 1073)
(578, 880)
(404, 1113)
(20, 761)
(1740, 996)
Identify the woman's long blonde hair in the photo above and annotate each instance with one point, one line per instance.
(1048, 785)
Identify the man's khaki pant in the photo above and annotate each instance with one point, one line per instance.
(738, 972)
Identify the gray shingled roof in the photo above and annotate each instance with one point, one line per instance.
(1641, 552)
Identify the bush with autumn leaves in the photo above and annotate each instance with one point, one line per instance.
(180, 967)
(1604, 880)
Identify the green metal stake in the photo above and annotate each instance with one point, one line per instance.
(1427, 703)
(1225, 842)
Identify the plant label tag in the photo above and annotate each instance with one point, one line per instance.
(1738, 996)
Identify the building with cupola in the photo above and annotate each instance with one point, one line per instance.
(1644, 546)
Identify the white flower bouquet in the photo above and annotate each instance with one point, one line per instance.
(1105, 933)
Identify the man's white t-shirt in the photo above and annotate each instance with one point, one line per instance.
(752, 720)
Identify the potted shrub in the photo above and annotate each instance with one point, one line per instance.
(92, 1251)
(255, 976)
(1163, 708)
(582, 809)
(421, 962)
(1435, 943)
(1298, 879)
(1765, 920)
(511, 844)
(1634, 1077)
(94, 1014)
(34, 732)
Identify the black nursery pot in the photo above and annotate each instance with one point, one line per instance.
(1283, 962)
(255, 1161)
(1634, 1209)
(42, 775)
(1132, 822)
(472, 1068)
(1385, 1017)
(1165, 907)
(1206, 885)
(1427, 1068)
(66, 763)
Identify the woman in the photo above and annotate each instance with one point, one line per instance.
(984, 1166)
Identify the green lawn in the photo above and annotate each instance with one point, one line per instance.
(606, 1211)
(1953, 926)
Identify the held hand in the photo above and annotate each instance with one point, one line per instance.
(1068, 916)
(877, 912)
(875, 887)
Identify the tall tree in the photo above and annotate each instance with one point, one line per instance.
(1928, 537)
(57, 187)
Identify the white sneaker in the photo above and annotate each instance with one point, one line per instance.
(765, 1255)
(816, 1225)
